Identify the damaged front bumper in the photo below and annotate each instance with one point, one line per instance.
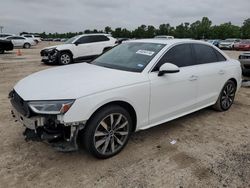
(49, 55)
(47, 128)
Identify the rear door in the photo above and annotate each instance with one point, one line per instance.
(174, 94)
(211, 67)
(98, 43)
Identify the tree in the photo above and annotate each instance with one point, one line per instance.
(246, 29)
(108, 29)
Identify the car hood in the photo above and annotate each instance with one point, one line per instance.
(59, 46)
(74, 81)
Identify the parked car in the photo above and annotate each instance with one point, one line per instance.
(23, 42)
(134, 86)
(4, 35)
(78, 48)
(36, 38)
(243, 45)
(164, 37)
(228, 44)
(5, 45)
(120, 40)
(214, 42)
(244, 59)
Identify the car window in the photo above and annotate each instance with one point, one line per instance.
(220, 57)
(204, 54)
(18, 38)
(100, 38)
(83, 40)
(180, 55)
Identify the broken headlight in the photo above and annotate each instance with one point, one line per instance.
(51, 107)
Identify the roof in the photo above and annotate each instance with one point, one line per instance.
(93, 34)
(166, 41)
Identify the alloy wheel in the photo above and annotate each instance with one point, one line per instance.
(228, 95)
(65, 59)
(111, 133)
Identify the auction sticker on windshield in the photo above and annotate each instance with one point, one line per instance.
(145, 52)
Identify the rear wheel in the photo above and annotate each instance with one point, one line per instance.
(65, 58)
(107, 132)
(26, 45)
(1, 51)
(226, 97)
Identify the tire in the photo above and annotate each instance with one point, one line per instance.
(104, 139)
(226, 97)
(1, 51)
(26, 45)
(65, 58)
(36, 41)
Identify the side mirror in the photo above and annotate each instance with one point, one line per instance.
(168, 68)
(76, 43)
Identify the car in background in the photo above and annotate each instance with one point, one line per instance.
(214, 42)
(163, 37)
(244, 45)
(79, 48)
(4, 35)
(120, 40)
(19, 41)
(244, 59)
(36, 38)
(228, 44)
(5, 45)
(133, 86)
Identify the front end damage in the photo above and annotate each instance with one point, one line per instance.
(49, 55)
(48, 128)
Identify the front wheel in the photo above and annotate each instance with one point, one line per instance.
(65, 58)
(226, 97)
(107, 132)
(1, 51)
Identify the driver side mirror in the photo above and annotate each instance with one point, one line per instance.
(168, 68)
(76, 43)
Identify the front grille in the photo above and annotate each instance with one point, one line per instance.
(19, 104)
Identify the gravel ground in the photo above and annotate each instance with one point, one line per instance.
(212, 149)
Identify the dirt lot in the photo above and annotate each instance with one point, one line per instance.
(212, 149)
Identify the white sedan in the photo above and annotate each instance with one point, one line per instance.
(136, 85)
(19, 41)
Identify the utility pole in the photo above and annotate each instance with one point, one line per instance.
(1, 28)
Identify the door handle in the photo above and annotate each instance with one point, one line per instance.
(221, 72)
(193, 78)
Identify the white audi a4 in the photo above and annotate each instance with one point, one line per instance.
(136, 85)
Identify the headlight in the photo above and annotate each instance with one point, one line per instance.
(51, 107)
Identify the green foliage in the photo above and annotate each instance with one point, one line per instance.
(200, 29)
(246, 29)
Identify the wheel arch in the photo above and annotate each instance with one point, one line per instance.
(68, 51)
(127, 106)
(235, 81)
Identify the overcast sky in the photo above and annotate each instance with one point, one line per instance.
(78, 15)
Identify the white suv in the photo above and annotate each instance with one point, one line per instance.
(19, 41)
(78, 48)
(36, 38)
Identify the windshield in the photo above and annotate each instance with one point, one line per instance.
(132, 56)
(70, 41)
